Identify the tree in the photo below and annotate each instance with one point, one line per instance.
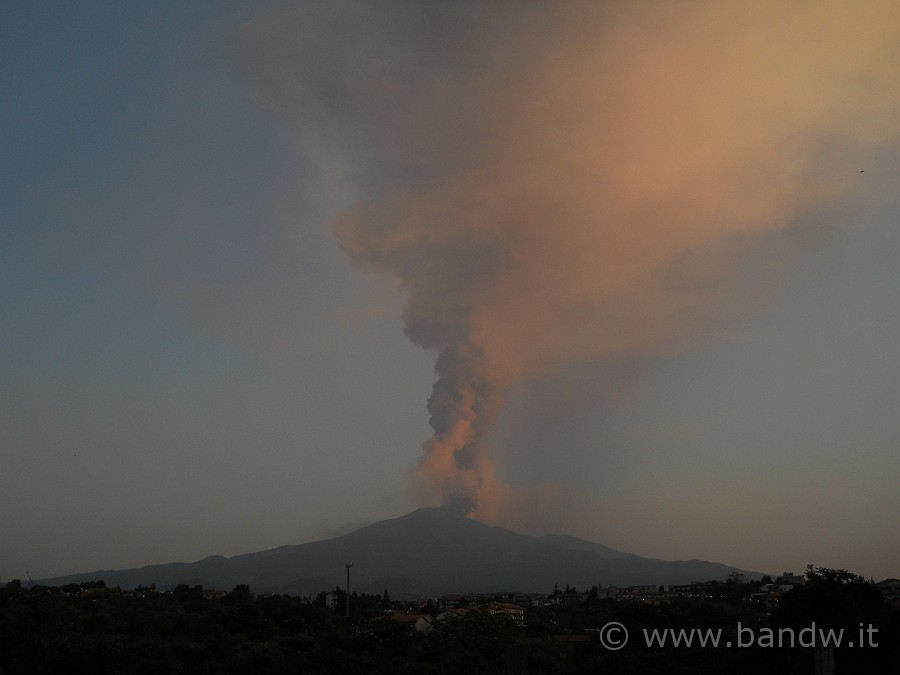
(476, 631)
(833, 598)
(841, 601)
(240, 594)
(184, 592)
(827, 576)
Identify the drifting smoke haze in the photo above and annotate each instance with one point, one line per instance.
(557, 182)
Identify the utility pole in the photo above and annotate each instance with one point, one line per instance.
(348, 566)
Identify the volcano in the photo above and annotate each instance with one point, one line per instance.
(427, 553)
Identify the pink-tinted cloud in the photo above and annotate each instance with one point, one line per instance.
(556, 181)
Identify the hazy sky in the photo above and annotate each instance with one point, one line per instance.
(653, 249)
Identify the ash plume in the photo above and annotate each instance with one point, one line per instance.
(556, 181)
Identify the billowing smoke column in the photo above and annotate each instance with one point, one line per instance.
(444, 279)
(565, 180)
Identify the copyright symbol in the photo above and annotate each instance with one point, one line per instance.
(613, 635)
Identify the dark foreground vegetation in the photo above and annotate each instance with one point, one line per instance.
(88, 628)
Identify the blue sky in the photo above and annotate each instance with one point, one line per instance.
(191, 365)
(182, 351)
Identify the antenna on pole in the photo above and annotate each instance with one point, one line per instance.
(348, 566)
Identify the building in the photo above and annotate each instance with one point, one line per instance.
(890, 591)
(791, 578)
(770, 595)
(513, 612)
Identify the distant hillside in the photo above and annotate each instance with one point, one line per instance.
(426, 553)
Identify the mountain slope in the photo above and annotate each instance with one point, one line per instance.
(425, 553)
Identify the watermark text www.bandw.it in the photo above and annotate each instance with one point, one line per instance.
(614, 636)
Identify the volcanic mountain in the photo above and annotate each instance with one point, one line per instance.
(429, 552)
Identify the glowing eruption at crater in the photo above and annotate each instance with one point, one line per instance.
(463, 403)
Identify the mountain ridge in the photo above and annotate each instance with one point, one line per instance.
(428, 552)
